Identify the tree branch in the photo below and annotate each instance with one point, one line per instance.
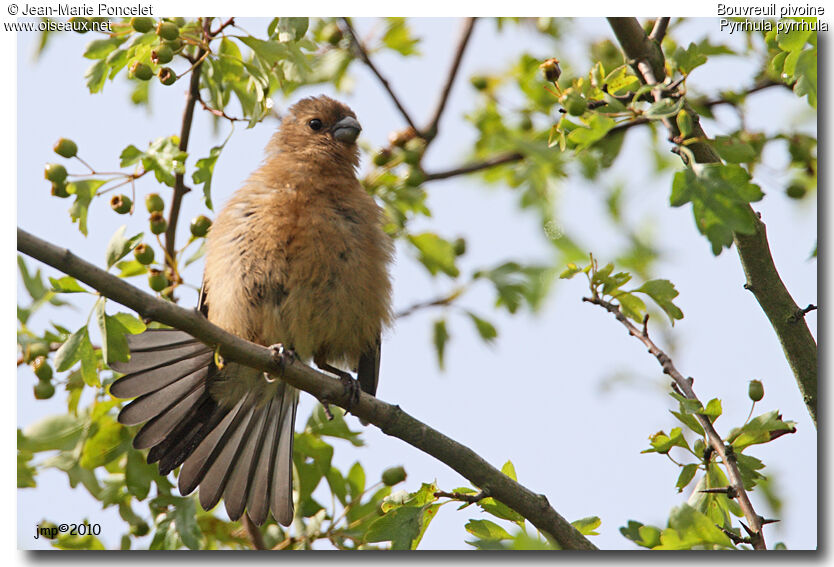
(659, 29)
(476, 166)
(715, 441)
(254, 532)
(430, 131)
(367, 60)
(192, 96)
(763, 280)
(389, 418)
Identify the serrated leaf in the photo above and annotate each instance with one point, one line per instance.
(587, 526)
(734, 150)
(760, 429)
(67, 284)
(485, 329)
(401, 526)
(686, 476)
(435, 253)
(440, 337)
(690, 528)
(663, 292)
(487, 530)
(56, 432)
(185, 521)
(119, 246)
(398, 37)
(84, 191)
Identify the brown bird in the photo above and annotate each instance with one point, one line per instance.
(297, 257)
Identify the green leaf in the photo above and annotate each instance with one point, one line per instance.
(806, 76)
(633, 307)
(84, 191)
(587, 526)
(689, 528)
(690, 421)
(720, 195)
(131, 324)
(642, 535)
(398, 37)
(130, 268)
(686, 60)
(139, 475)
(734, 150)
(292, 29)
(440, 337)
(96, 74)
(185, 521)
(25, 472)
(204, 170)
(60, 432)
(686, 476)
(484, 328)
(760, 429)
(68, 353)
(712, 410)
(105, 441)
(271, 52)
(119, 246)
(113, 341)
(435, 253)
(401, 526)
(67, 284)
(663, 292)
(487, 530)
(664, 108)
(101, 48)
(508, 469)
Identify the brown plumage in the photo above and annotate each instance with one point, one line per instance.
(296, 257)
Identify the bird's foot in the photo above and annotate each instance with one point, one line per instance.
(284, 356)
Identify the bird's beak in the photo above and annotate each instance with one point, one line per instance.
(346, 130)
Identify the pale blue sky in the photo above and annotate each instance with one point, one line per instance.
(536, 396)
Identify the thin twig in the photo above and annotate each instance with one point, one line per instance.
(224, 25)
(470, 498)
(715, 440)
(217, 112)
(759, 86)
(445, 300)
(430, 131)
(363, 54)
(476, 166)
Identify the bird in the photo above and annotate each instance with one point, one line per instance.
(297, 259)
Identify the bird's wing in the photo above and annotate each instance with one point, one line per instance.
(234, 443)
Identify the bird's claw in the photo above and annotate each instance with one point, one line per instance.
(352, 389)
(283, 355)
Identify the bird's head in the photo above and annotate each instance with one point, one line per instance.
(321, 129)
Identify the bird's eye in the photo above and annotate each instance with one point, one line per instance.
(314, 124)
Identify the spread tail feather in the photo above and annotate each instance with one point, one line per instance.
(238, 448)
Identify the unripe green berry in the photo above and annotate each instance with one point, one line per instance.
(179, 21)
(167, 30)
(200, 226)
(331, 33)
(175, 45)
(162, 55)
(576, 105)
(154, 203)
(80, 25)
(141, 71)
(44, 390)
(157, 280)
(140, 529)
(795, 191)
(167, 76)
(35, 350)
(144, 254)
(755, 390)
(55, 172)
(42, 369)
(65, 148)
(480, 82)
(459, 246)
(415, 177)
(121, 204)
(60, 190)
(382, 157)
(551, 70)
(142, 25)
(158, 223)
(393, 475)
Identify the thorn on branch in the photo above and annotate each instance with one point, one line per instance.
(735, 538)
(800, 313)
(730, 491)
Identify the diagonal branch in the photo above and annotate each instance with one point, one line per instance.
(685, 385)
(763, 279)
(363, 54)
(430, 131)
(389, 418)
